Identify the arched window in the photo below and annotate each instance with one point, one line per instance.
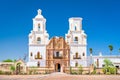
(31, 54)
(83, 54)
(76, 39)
(38, 55)
(38, 27)
(75, 28)
(76, 54)
(38, 39)
(76, 64)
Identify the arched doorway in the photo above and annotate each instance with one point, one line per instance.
(58, 67)
(18, 68)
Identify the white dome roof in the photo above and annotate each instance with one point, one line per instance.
(39, 16)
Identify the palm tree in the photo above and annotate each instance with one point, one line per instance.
(119, 50)
(111, 48)
(108, 62)
(91, 60)
(91, 50)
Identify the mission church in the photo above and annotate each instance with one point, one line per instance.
(57, 53)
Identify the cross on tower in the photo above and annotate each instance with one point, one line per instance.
(39, 12)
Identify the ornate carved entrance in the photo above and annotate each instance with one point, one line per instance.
(58, 54)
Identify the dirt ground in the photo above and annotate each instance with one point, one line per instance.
(59, 76)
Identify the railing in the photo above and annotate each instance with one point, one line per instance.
(38, 57)
(76, 57)
(57, 56)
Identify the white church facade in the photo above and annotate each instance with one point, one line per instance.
(75, 42)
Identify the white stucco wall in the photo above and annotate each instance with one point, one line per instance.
(114, 59)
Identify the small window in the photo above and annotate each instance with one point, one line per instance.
(38, 39)
(38, 64)
(83, 54)
(76, 64)
(38, 27)
(76, 39)
(75, 28)
(117, 67)
(57, 54)
(31, 54)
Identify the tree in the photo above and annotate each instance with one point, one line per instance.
(119, 50)
(108, 62)
(12, 68)
(91, 50)
(8, 60)
(111, 48)
(91, 60)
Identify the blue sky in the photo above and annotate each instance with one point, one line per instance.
(101, 22)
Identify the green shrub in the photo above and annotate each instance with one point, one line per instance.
(70, 70)
(80, 69)
(12, 68)
(8, 73)
(112, 70)
(104, 70)
(1, 72)
(74, 73)
(47, 72)
(108, 73)
(30, 72)
(94, 72)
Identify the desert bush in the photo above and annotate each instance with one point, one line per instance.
(70, 70)
(108, 73)
(74, 73)
(1, 72)
(30, 72)
(7, 73)
(94, 72)
(112, 70)
(80, 69)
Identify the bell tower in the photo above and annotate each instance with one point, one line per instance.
(75, 24)
(77, 40)
(38, 39)
(39, 22)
